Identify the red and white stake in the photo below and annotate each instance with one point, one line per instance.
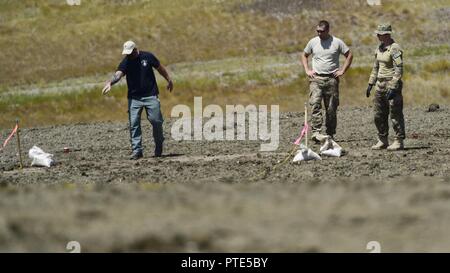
(18, 143)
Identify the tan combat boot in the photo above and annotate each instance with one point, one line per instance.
(396, 146)
(381, 144)
(318, 137)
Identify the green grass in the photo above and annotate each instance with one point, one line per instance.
(431, 50)
(256, 84)
(441, 66)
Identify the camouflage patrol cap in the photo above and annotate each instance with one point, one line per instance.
(383, 29)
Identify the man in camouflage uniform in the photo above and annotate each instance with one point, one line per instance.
(324, 78)
(387, 75)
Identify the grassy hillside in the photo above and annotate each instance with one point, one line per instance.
(227, 51)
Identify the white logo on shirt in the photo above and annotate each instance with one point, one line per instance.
(144, 62)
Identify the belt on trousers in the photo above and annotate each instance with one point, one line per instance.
(325, 75)
(384, 79)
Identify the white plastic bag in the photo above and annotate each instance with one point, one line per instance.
(331, 148)
(40, 158)
(305, 154)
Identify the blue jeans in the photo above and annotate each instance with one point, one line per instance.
(152, 109)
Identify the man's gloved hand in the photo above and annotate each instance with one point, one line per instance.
(369, 88)
(390, 94)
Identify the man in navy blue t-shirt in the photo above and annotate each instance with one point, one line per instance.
(142, 94)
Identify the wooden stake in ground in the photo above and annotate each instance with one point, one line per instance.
(18, 144)
(306, 122)
(295, 148)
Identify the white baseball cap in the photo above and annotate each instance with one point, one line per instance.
(128, 47)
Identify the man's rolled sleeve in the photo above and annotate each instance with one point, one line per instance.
(343, 47)
(123, 66)
(308, 48)
(154, 62)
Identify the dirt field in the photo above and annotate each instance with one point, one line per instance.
(224, 196)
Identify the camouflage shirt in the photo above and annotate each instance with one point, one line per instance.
(388, 64)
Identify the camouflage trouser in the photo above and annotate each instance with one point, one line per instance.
(326, 89)
(383, 108)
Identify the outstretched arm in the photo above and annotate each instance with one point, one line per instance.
(115, 79)
(162, 70)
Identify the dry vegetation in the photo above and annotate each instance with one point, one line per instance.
(47, 42)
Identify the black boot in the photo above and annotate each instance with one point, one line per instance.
(158, 150)
(136, 156)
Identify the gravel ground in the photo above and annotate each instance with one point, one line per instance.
(225, 195)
